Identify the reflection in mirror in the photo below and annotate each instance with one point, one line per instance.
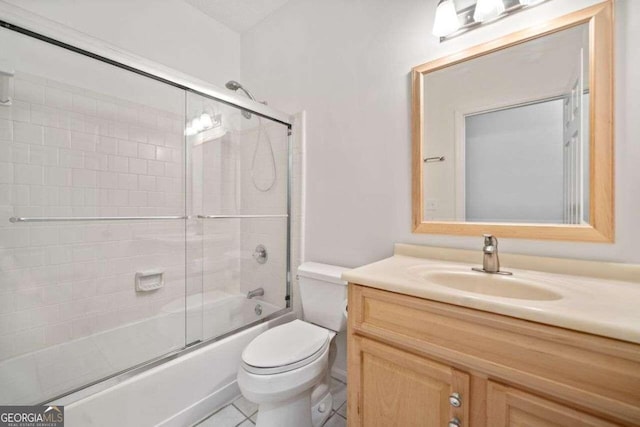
(513, 128)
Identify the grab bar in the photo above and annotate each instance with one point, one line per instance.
(93, 218)
(241, 216)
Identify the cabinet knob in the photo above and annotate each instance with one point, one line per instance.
(455, 422)
(455, 400)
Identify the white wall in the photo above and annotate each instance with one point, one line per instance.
(170, 32)
(347, 63)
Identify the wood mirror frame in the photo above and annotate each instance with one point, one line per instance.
(601, 186)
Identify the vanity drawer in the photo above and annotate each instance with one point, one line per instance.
(598, 374)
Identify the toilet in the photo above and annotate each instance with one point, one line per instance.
(287, 369)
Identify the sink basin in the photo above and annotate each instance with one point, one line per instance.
(488, 284)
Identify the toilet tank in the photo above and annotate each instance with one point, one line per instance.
(323, 294)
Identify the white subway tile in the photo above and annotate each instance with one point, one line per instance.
(20, 152)
(6, 173)
(92, 125)
(137, 134)
(28, 298)
(138, 166)
(138, 198)
(118, 130)
(156, 168)
(84, 289)
(84, 178)
(96, 161)
(70, 158)
(127, 181)
(45, 236)
(164, 154)
(117, 197)
(28, 91)
(57, 176)
(83, 141)
(43, 196)
(27, 174)
(58, 334)
(45, 116)
(127, 148)
(76, 122)
(173, 170)
(106, 110)
(28, 341)
(57, 137)
(90, 196)
(145, 183)
(6, 130)
(118, 164)
(146, 151)
(77, 197)
(21, 195)
(107, 145)
(20, 111)
(58, 98)
(28, 133)
(107, 180)
(57, 294)
(84, 105)
(43, 155)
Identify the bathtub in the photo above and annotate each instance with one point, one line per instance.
(215, 313)
(179, 391)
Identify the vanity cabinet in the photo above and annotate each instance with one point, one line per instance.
(509, 406)
(403, 389)
(417, 362)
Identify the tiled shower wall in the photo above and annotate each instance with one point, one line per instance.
(67, 151)
(269, 232)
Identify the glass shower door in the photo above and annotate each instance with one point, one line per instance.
(238, 165)
(92, 174)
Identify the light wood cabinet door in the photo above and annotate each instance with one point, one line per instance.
(508, 406)
(397, 388)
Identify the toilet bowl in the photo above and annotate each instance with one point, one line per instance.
(287, 369)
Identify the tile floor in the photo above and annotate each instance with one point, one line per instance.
(242, 413)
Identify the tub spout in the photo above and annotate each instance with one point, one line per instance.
(255, 293)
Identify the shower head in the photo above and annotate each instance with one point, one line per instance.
(234, 86)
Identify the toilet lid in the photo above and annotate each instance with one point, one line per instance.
(285, 345)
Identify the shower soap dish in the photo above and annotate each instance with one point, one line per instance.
(149, 280)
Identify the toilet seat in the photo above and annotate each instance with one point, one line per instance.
(285, 348)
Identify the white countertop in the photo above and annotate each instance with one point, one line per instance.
(603, 306)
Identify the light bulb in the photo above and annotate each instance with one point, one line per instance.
(205, 121)
(446, 21)
(487, 10)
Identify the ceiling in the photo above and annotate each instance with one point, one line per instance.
(239, 15)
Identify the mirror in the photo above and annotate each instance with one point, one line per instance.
(514, 137)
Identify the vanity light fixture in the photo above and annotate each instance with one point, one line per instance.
(487, 10)
(473, 14)
(446, 21)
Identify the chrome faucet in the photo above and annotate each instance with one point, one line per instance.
(255, 293)
(490, 260)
